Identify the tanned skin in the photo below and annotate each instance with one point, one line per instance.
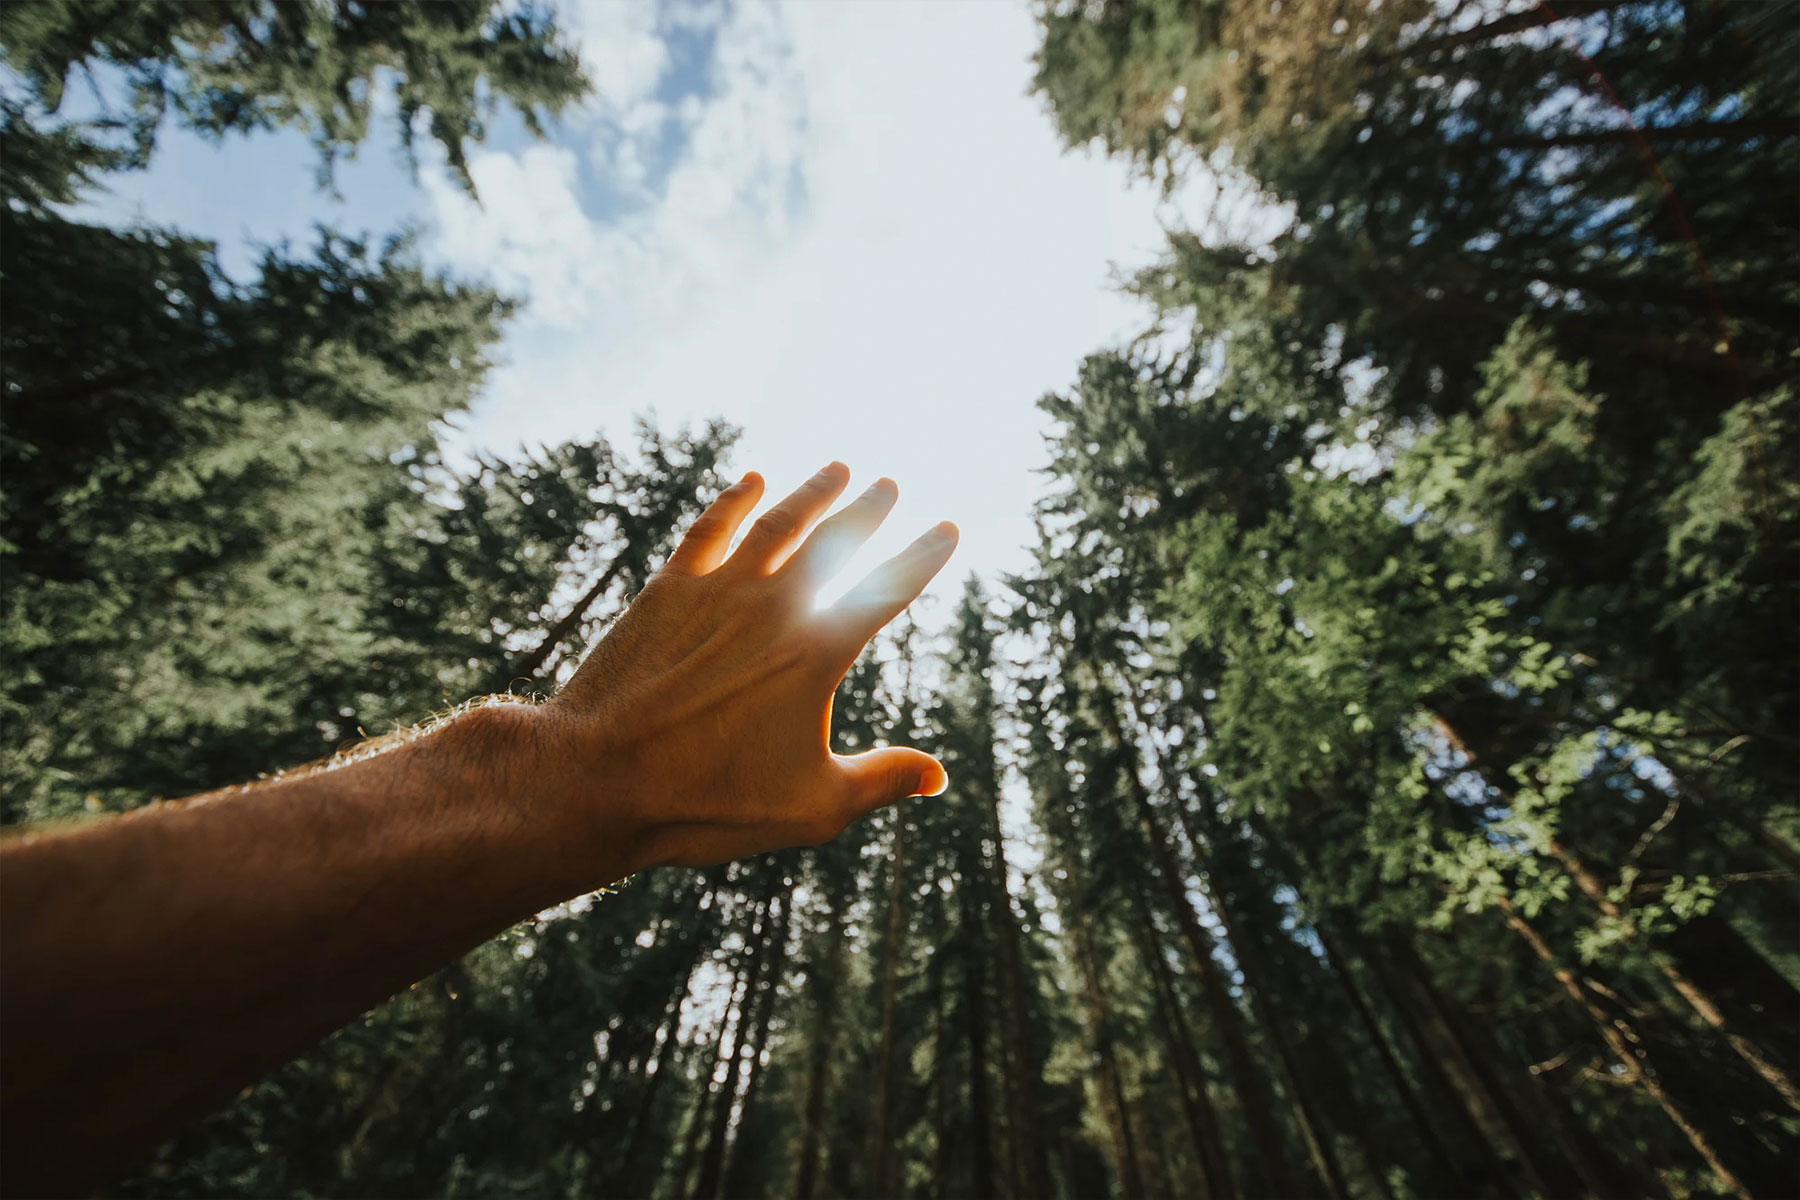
(156, 962)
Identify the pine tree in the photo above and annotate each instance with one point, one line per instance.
(236, 66)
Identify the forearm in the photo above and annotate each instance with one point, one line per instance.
(156, 962)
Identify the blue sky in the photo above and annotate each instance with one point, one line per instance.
(846, 228)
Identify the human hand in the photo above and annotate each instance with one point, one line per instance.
(698, 729)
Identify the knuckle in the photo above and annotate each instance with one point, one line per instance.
(778, 523)
(897, 781)
(760, 597)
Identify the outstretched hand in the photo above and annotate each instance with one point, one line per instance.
(700, 724)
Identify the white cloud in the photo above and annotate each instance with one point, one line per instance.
(529, 235)
(622, 51)
(870, 247)
(719, 211)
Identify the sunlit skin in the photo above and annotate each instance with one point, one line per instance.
(157, 961)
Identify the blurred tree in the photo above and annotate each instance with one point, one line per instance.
(322, 66)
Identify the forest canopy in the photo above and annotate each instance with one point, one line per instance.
(1381, 784)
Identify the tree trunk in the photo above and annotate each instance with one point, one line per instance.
(766, 996)
(1517, 22)
(1155, 1149)
(1704, 1005)
(940, 1015)
(1318, 1137)
(974, 1013)
(1731, 130)
(1441, 1159)
(1453, 1176)
(1618, 1162)
(1029, 1150)
(1756, 1052)
(697, 1124)
(1740, 979)
(629, 1161)
(620, 1178)
(712, 1161)
(1620, 1038)
(1202, 1119)
(827, 981)
(1265, 1130)
(1528, 1139)
(526, 665)
(883, 1149)
(975, 1033)
(1112, 1086)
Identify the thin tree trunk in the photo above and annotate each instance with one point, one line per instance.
(1263, 1127)
(1318, 1137)
(1440, 1156)
(697, 1124)
(1614, 1032)
(1738, 975)
(1566, 1161)
(1029, 1149)
(974, 1012)
(975, 1032)
(712, 1160)
(1680, 979)
(883, 1149)
(1697, 998)
(1112, 1085)
(1440, 1059)
(767, 995)
(1733, 130)
(826, 984)
(1441, 1159)
(1156, 1149)
(526, 665)
(1202, 1119)
(1375, 1158)
(1619, 1162)
(628, 1162)
(944, 1037)
(620, 1178)
(1265, 1130)
(1531, 18)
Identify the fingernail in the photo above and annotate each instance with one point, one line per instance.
(943, 531)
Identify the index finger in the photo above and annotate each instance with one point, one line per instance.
(889, 588)
(704, 547)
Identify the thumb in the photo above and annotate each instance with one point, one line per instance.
(882, 777)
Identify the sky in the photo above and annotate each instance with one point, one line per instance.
(846, 228)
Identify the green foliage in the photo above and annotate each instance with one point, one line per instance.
(237, 66)
(1449, 551)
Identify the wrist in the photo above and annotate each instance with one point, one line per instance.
(555, 785)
